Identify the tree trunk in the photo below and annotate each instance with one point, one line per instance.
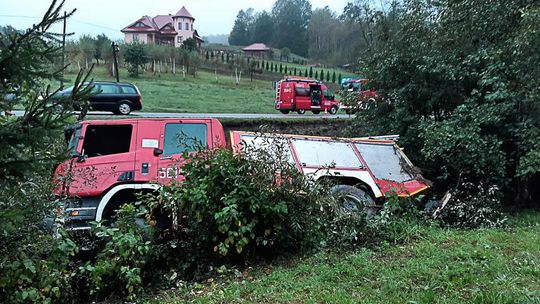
(184, 71)
(173, 66)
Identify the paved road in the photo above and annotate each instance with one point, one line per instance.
(214, 115)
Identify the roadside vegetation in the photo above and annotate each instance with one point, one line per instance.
(435, 265)
(465, 105)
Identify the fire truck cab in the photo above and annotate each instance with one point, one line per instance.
(304, 94)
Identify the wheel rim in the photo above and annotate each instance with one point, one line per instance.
(301, 111)
(333, 110)
(124, 108)
(352, 203)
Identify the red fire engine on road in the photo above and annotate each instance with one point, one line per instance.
(302, 94)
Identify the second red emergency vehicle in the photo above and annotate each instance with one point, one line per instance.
(302, 94)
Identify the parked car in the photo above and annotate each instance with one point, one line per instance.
(117, 97)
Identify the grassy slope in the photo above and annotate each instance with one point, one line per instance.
(442, 266)
(202, 94)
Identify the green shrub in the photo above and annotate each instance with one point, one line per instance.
(35, 266)
(231, 207)
(398, 220)
(474, 206)
(118, 265)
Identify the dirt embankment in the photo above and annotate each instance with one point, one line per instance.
(315, 127)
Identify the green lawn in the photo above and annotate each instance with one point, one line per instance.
(441, 266)
(200, 94)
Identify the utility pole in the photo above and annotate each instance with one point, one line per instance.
(63, 51)
(115, 51)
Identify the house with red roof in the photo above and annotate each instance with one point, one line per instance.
(163, 29)
(258, 50)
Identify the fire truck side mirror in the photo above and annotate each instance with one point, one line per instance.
(157, 152)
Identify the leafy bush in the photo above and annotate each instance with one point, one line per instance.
(398, 220)
(474, 206)
(461, 88)
(401, 220)
(230, 207)
(34, 265)
(124, 252)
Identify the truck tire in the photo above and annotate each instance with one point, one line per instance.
(285, 111)
(333, 110)
(301, 112)
(124, 108)
(352, 199)
(316, 112)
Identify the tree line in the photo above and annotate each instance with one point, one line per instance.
(320, 34)
(461, 82)
(285, 26)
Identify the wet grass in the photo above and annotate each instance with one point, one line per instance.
(441, 266)
(200, 94)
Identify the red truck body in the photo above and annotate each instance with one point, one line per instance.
(114, 160)
(361, 93)
(304, 94)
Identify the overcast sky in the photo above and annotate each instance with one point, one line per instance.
(110, 16)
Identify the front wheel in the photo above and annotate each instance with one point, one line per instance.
(285, 111)
(124, 108)
(333, 110)
(301, 112)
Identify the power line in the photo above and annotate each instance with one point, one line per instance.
(96, 25)
(74, 20)
(21, 16)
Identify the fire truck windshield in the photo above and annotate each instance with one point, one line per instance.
(72, 134)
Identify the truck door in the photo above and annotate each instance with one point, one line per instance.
(146, 162)
(287, 95)
(316, 95)
(302, 96)
(107, 158)
(177, 137)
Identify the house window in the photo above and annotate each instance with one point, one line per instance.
(179, 39)
(136, 37)
(187, 26)
(106, 140)
(184, 137)
(179, 25)
(192, 27)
